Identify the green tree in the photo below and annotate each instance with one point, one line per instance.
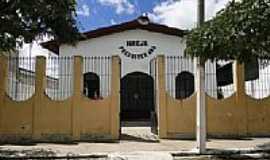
(28, 20)
(240, 31)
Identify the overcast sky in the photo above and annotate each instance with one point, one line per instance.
(93, 14)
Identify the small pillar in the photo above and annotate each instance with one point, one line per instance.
(115, 97)
(77, 95)
(161, 97)
(239, 78)
(40, 87)
(3, 78)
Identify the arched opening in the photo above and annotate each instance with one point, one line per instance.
(91, 85)
(137, 97)
(184, 85)
(257, 78)
(219, 79)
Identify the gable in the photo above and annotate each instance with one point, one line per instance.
(142, 23)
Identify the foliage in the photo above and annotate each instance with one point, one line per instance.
(240, 31)
(28, 20)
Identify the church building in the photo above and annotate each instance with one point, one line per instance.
(133, 73)
(137, 42)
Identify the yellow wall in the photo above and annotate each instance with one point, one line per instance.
(79, 118)
(16, 117)
(181, 117)
(225, 118)
(236, 116)
(55, 117)
(259, 116)
(97, 112)
(76, 118)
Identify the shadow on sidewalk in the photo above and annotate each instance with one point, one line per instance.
(128, 137)
(265, 147)
(30, 152)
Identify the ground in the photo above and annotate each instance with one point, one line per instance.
(137, 142)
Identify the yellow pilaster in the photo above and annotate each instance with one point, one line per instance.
(3, 82)
(239, 77)
(77, 95)
(161, 97)
(40, 86)
(115, 95)
(3, 77)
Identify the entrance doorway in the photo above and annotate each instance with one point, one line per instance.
(137, 97)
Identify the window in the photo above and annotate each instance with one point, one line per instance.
(184, 85)
(91, 85)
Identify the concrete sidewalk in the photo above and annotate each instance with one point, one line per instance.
(132, 147)
(136, 142)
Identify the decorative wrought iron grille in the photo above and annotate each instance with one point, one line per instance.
(174, 66)
(21, 78)
(219, 81)
(153, 69)
(258, 79)
(99, 67)
(153, 73)
(59, 74)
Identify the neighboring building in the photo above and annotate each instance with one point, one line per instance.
(21, 78)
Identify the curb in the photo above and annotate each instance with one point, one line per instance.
(225, 154)
(92, 156)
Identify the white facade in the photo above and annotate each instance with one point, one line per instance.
(168, 45)
(109, 45)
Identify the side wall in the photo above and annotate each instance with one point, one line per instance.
(77, 118)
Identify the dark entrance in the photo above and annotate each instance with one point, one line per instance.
(184, 85)
(91, 85)
(137, 97)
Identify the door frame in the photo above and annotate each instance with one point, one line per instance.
(145, 77)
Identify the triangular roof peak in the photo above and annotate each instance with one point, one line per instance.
(142, 22)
